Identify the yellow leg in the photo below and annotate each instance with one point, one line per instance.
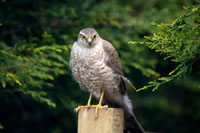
(100, 104)
(89, 100)
(86, 106)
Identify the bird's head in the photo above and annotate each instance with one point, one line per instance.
(88, 37)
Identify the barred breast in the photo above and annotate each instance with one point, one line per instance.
(89, 69)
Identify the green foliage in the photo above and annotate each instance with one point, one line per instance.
(29, 66)
(178, 41)
(40, 34)
(1, 127)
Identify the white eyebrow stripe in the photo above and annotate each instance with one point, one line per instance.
(82, 33)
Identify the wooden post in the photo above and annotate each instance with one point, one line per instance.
(110, 120)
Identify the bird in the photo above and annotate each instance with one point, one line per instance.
(95, 65)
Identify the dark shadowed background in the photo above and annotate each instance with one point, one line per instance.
(28, 27)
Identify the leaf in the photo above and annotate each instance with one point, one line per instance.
(1, 127)
(176, 41)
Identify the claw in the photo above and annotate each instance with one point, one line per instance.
(86, 106)
(79, 107)
(93, 106)
(100, 104)
(97, 108)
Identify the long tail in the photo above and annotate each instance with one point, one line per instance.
(131, 124)
(121, 100)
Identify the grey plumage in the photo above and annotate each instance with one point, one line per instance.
(95, 65)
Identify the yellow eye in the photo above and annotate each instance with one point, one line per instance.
(83, 37)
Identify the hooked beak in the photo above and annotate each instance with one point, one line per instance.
(89, 41)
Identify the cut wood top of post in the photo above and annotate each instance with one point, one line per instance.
(109, 120)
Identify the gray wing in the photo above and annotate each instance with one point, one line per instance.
(112, 61)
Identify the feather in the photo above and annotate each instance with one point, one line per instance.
(132, 125)
(112, 59)
(128, 82)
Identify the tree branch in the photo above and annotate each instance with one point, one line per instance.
(196, 60)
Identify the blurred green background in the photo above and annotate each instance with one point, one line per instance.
(25, 24)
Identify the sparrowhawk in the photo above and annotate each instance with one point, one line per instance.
(96, 66)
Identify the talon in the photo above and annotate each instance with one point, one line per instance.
(97, 108)
(93, 106)
(79, 107)
(86, 106)
(99, 105)
(76, 109)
